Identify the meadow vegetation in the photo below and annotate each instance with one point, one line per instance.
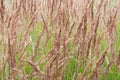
(59, 40)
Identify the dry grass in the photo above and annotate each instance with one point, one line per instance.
(59, 39)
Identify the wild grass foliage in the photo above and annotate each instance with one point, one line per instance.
(59, 40)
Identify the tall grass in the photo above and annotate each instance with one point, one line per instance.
(59, 40)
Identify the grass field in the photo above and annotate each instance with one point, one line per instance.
(59, 40)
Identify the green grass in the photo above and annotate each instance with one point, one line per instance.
(70, 71)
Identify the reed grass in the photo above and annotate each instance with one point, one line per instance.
(59, 40)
